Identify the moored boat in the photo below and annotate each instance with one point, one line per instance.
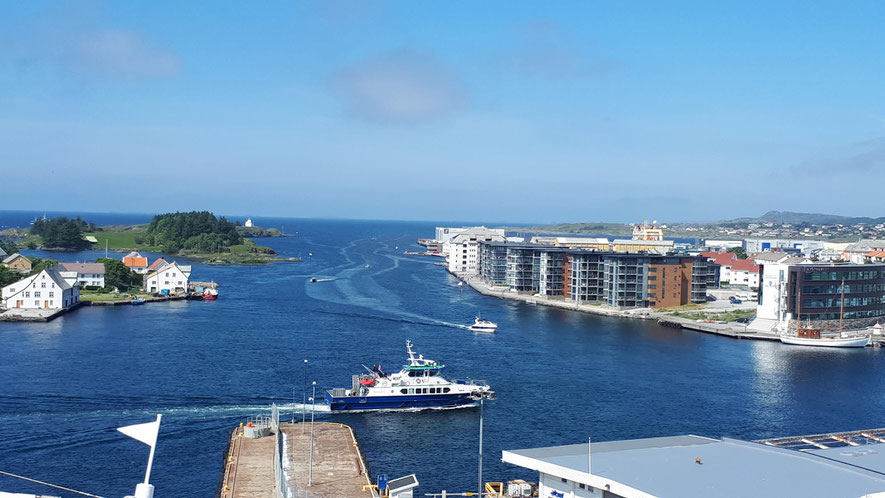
(831, 342)
(419, 385)
(210, 294)
(811, 337)
(138, 301)
(480, 325)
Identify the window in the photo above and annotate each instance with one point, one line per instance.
(404, 391)
(42, 285)
(28, 294)
(37, 303)
(446, 389)
(51, 294)
(12, 289)
(36, 293)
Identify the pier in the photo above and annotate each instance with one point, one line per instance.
(267, 458)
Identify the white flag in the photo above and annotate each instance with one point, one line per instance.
(146, 433)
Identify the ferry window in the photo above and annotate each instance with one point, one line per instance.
(404, 391)
(446, 389)
(581, 486)
(411, 391)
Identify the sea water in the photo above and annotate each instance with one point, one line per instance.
(559, 376)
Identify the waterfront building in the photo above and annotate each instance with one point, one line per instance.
(596, 243)
(248, 223)
(18, 262)
(799, 246)
(817, 288)
(493, 263)
(734, 271)
(135, 262)
(462, 250)
(167, 279)
(83, 274)
(695, 466)
(446, 234)
(583, 275)
(640, 245)
(45, 290)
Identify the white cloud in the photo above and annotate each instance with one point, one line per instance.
(400, 87)
(120, 53)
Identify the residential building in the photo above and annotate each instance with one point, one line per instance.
(698, 467)
(136, 262)
(795, 286)
(83, 274)
(45, 290)
(156, 264)
(168, 279)
(18, 262)
(585, 275)
(462, 250)
(734, 271)
(856, 253)
(445, 234)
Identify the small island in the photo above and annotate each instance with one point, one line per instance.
(196, 235)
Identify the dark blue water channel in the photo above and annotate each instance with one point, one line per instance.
(560, 376)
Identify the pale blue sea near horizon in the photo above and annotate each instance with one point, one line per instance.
(560, 376)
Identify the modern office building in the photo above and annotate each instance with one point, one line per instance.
(795, 288)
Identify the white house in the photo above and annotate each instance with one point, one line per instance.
(248, 223)
(170, 278)
(83, 274)
(462, 250)
(47, 290)
(446, 234)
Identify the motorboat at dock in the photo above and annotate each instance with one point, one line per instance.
(419, 385)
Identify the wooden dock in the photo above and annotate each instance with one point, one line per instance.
(338, 466)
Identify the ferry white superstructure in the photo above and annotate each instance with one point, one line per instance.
(417, 385)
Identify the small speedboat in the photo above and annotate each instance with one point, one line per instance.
(210, 295)
(480, 325)
(368, 266)
(136, 302)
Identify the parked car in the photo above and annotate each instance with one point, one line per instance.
(743, 320)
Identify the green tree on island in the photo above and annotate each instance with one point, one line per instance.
(61, 233)
(194, 232)
(118, 275)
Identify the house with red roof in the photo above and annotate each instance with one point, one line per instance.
(734, 271)
(136, 262)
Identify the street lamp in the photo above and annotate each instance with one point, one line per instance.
(310, 458)
(304, 396)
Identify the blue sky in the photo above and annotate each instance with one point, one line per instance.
(508, 111)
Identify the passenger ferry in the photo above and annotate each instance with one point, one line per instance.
(418, 385)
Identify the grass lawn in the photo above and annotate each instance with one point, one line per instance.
(120, 240)
(89, 296)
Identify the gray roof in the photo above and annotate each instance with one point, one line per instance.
(729, 467)
(84, 267)
(11, 257)
(866, 245)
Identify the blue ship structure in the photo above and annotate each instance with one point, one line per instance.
(419, 385)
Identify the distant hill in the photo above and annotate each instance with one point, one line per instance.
(792, 218)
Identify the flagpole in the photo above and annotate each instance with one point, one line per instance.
(147, 475)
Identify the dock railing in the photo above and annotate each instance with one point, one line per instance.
(282, 489)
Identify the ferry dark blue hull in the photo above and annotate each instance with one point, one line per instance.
(348, 403)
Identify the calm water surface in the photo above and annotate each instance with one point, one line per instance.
(560, 376)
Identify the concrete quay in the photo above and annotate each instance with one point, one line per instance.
(734, 330)
(34, 315)
(339, 469)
